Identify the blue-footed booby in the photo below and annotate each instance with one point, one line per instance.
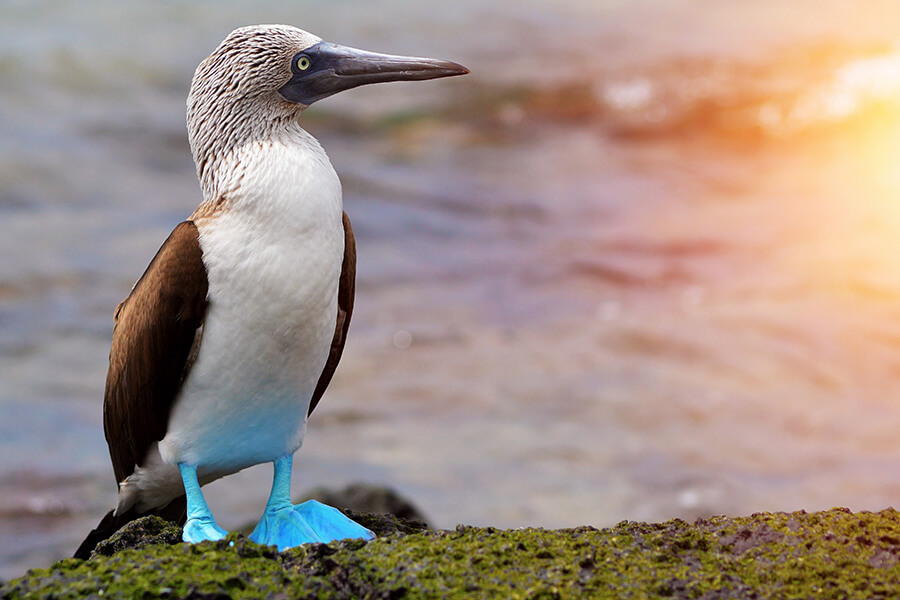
(228, 340)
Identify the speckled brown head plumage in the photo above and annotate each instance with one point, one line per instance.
(262, 77)
(234, 94)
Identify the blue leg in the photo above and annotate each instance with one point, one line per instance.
(200, 524)
(285, 525)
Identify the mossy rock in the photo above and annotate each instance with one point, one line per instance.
(832, 554)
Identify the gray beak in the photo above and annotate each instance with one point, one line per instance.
(325, 69)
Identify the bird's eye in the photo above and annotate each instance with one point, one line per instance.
(303, 63)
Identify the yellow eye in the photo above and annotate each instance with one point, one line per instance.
(303, 63)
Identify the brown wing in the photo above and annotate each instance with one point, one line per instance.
(346, 293)
(153, 347)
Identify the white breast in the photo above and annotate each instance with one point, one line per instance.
(273, 260)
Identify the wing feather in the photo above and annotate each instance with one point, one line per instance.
(346, 294)
(156, 333)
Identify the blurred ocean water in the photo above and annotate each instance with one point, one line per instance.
(643, 263)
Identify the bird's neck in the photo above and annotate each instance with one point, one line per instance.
(267, 178)
(222, 129)
(221, 156)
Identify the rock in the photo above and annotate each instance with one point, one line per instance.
(365, 498)
(384, 525)
(146, 531)
(830, 554)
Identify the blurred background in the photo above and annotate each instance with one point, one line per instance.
(642, 263)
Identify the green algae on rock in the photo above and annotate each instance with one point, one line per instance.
(832, 554)
(147, 531)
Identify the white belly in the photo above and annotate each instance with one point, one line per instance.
(273, 259)
(266, 338)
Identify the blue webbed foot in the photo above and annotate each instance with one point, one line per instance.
(200, 526)
(201, 530)
(311, 521)
(287, 525)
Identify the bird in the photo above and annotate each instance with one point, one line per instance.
(229, 339)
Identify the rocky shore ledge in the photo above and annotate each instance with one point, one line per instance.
(831, 554)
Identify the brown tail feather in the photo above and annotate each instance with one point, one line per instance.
(174, 511)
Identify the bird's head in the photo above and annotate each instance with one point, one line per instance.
(261, 77)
